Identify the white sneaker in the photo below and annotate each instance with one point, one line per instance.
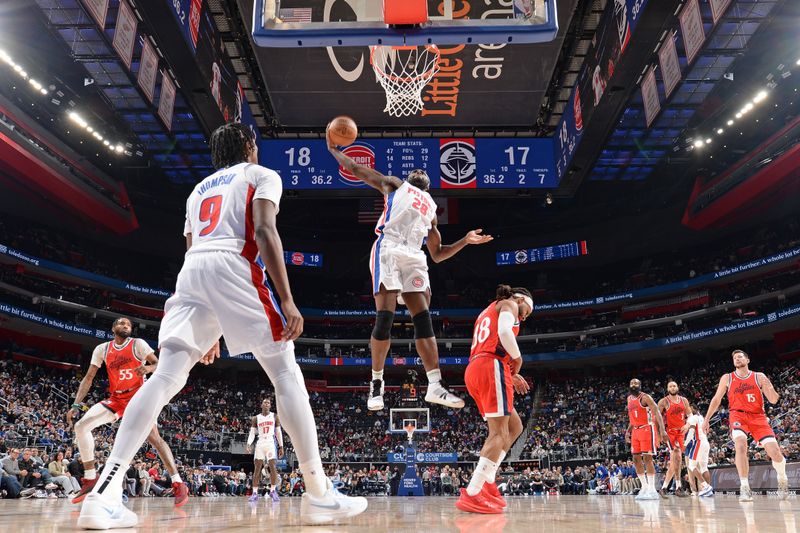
(783, 488)
(706, 492)
(97, 513)
(440, 395)
(745, 494)
(332, 506)
(375, 400)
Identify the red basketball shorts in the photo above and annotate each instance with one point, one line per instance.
(489, 383)
(756, 424)
(118, 402)
(644, 439)
(675, 440)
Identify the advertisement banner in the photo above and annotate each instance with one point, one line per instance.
(650, 99)
(718, 8)
(148, 70)
(611, 39)
(125, 33)
(424, 457)
(204, 40)
(669, 64)
(98, 9)
(692, 29)
(166, 104)
(762, 477)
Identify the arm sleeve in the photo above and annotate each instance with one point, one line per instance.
(97, 355)
(141, 349)
(252, 436)
(187, 225)
(505, 330)
(268, 184)
(279, 436)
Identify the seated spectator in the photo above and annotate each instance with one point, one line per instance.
(61, 477)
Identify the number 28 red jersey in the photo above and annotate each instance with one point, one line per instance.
(485, 340)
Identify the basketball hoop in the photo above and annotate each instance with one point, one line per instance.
(404, 71)
(410, 431)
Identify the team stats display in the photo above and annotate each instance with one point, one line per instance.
(545, 253)
(467, 163)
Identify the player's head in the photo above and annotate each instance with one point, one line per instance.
(672, 388)
(231, 144)
(419, 179)
(521, 295)
(635, 386)
(694, 408)
(122, 327)
(740, 358)
(266, 405)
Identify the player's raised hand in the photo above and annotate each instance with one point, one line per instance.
(476, 237)
(212, 355)
(521, 385)
(294, 321)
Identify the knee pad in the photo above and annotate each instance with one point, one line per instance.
(423, 325)
(383, 326)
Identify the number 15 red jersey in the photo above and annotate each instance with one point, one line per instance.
(485, 340)
(744, 394)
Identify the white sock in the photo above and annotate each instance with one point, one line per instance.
(483, 471)
(645, 482)
(780, 468)
(295, 414)
(90, 474)
(434, 376)
(744, 482)
(499, 462)
(665, 484)
(176, 478)
(704, 486)
(377, 375)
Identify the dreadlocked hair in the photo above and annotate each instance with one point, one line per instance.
(230, 144)
(504, 292)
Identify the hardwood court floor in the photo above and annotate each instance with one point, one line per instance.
(573, 514)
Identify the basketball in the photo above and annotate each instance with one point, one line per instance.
(342, 131)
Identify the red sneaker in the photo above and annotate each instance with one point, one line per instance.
(491, 492)
(86, 487)
(479, 503)
(181, 493)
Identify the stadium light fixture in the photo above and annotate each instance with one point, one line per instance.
(730, 122)
(762, 95)
(720, 131)
(739, 115)
(698, 143)
(118, 148)
(708, 141)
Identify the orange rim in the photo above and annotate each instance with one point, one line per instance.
(431, 48)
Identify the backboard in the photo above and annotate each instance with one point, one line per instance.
(399, 418)
(322, 23)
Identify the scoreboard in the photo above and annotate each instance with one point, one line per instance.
(545, 253)
(302, 259)
(465, 163)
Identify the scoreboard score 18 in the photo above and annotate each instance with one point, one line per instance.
(465, 163)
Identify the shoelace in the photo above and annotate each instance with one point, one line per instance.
(376, 387)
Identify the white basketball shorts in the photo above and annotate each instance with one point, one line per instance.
(222, 293)
(265, 451)
(398, 267)
(698, 459)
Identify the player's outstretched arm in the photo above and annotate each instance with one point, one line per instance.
(442, 252)
(716, 401)
(370, 176)
(769, 391)
(83, 390)
(271, 249)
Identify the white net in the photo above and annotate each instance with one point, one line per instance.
(404, 71)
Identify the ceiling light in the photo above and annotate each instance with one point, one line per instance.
(4, 56)
(760, 96)
(719, 131)
(17, 68)
(738, 115)
(106, 143)
(118, 148)
(43, 91)
(698, 143)
(747, 107)
(89, 129)
(730, 123)
(798, 61)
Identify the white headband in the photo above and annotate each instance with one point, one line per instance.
(528, 299)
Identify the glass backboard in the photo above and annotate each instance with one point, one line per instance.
(399, 419)
(320, 23)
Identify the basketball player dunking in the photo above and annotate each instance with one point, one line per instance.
(675, 410)
(399, 268)
(746, 390)
(127, 360)
(222, 288)
(492, 376)
(644, 420)
(268, 427)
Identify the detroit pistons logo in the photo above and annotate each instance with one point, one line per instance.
(417, 282)
(363, 154)
(457, 164)
(298, 258)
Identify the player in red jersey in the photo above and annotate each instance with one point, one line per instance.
(675, 409)
(492, 376)
(641, 433)
(746, 390)
(127, 360)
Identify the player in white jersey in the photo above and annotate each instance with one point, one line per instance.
(268, 427)
(697, 448)
(222, 289)
(400, 269)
